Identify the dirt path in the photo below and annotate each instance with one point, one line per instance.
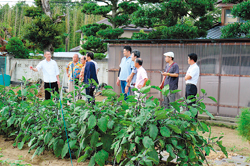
(47, 159)
(235, 145)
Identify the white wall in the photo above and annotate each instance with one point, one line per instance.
(22, 69)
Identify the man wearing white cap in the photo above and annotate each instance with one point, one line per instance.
(170, 77)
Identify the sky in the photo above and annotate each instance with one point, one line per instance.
(13, 2)
(30, 2)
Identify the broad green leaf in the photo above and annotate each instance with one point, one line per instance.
(80, 102)
(203, 91)
(94, 139)
(58, 145)
(108, 93)
(165, 131)
(20, 145)
(91, 122)
(193, 111)
(10, 121)
(25, 119)
(153, 156)
(161, 114)
(175, 105)
(209, 114)
(107, 142)
(212, 98)
(184, 116)
(147, 142)
(165, 90)
(72, 144)
(82, 158)
(111, 124)
(223, 149)
(153, 131)
(92, 161)
(148, 83)
(47, 138)
(108, 87)
(191, 154)
(175, 91)
(102, 124)
(101, 157)
(170, 150)
(65, 149)
(174, 128)
(145, 89)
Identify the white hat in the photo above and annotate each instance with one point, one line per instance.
(170, 54)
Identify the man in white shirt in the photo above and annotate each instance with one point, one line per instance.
(142, 76)
(50, 74)
(192, 77)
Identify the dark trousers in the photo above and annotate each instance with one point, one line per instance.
(51, 85)
(90, 92)
(191, 89)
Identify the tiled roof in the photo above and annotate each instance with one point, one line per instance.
(76, 49)
(214, 33)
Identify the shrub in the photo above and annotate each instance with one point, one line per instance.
(244, 124)
(17, 48)
(114, 131)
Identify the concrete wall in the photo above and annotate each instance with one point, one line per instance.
(22, 69)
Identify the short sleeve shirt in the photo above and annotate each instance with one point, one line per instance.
(172, 81)
(194, 72)
(76, 70)
(126, 66)
(50, 70)
(141, 75)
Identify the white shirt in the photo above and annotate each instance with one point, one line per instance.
(96, 66)
(50, 70)
(141, 75)
(194, 72)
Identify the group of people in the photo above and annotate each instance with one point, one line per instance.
(131, 74)
(83, 71)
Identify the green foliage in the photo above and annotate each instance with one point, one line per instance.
(232, 30)
(241, 10)
(91, 29)
(110, 33)
(99, 56)
(17, 48)
(180, 31)
(44, 32)
(244, 124)
(139, 35)
(95, 45)
(131, 132)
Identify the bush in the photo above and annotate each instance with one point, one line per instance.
(114, 131)
(99, 56)
(244, 124)
(140, 35)
(17, 48)
(110, 33)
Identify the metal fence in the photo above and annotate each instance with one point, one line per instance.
(224, 71)
(2, 64)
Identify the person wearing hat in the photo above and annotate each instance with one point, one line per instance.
(170, 77)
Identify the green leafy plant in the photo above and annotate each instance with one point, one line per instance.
(113, 131)
(243, 124)
(16, 47)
